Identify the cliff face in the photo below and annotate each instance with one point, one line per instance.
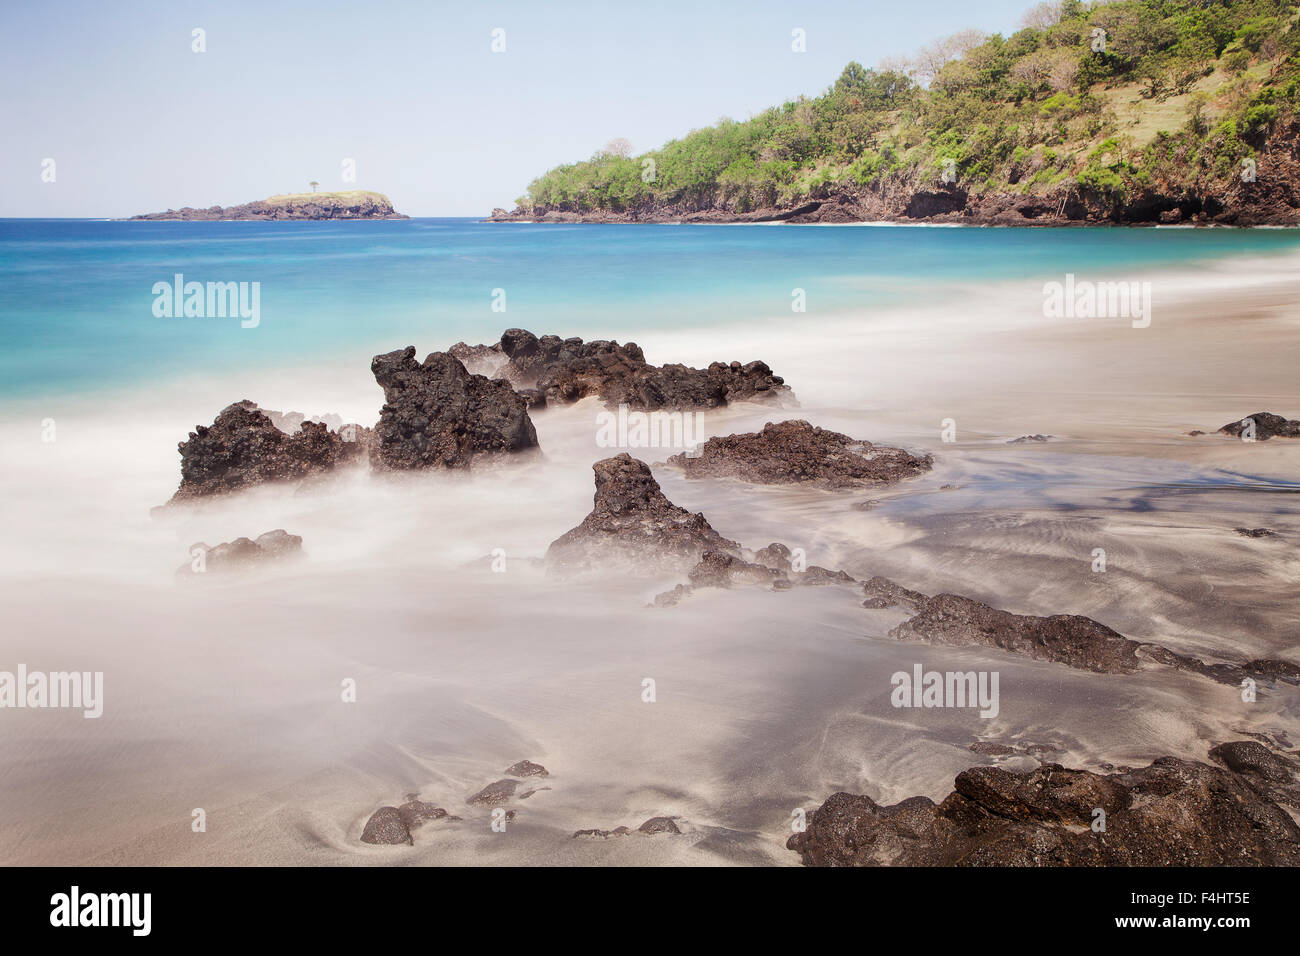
(340, 205)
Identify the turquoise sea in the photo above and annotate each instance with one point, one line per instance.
(76, 299)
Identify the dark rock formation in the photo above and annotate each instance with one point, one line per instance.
(415, 812)
(884, 593)
(1233, 674)
(495, 794)
(1274, 774)
(526, 768)
(796, 452)
(243, 447)
(1171, 813)
(771, 567)
(242, 553)
(633, 525)
(1267, 425)
(553, 370)
(387, 827)
(393, 825)
(1067, 638)
(1025, 439)
(651, 826)
(658, 825)
(603, 834)
(439, 415)
(1256, 532)
(717, 569)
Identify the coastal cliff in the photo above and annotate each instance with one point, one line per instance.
(1137, 112)
(357, 204)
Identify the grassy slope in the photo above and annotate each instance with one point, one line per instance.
(346, 197)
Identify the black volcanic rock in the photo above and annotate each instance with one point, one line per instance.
(882, 593)
(652, 826)
(1067, 638)
(277, 545)
(243, 447)
(566, 370)
(495, 794)
(1071, 639)
(658, 825)
(439, 415)
(386, 827)
(794, 452)
(526, 768)
(717, 569)
(1171, 813)
(633, 525)
(1267, 425)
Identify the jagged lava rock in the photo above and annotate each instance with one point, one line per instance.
(526, 768)
(386, 827)
(561, 371)
(1171, 813)
(796, 452)
(1267, 425)
(495, 794)
(437, 414)
(243, 447)
(632, 524)
(277, 545)
(1067, 638)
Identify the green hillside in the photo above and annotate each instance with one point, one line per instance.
(1111, 100)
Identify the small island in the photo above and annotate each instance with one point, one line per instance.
(356, 204)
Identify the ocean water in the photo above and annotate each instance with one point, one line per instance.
(76, 299)
(223, 694)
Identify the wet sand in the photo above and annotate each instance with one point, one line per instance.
(225, 695)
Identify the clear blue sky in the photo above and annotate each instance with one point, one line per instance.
(137, 122)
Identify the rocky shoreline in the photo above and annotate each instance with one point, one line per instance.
(473, 404)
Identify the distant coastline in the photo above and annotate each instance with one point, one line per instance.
(357, 204)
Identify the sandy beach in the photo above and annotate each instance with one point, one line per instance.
(224, 695)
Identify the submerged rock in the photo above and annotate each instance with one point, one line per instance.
(566, 370)
(437, 414)
(1067, 638)
(243, 447)
(883, 593)
(796, 452)
(386, 827)
(1171, 813)
(242, 553)
(652, 826)
(1267, 425)
(495, 794)
(633, 525)
(717, 569)
(393, 825)
(526, 768)
(658, 825)
(1070, 639)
